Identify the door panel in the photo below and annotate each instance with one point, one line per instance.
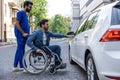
(73, 48)
(82, 45)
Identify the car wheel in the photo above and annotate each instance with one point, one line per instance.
(70, 58)
(91, 69)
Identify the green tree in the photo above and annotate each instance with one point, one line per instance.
(38, 12)
(59, 24)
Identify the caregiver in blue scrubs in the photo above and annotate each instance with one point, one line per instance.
(21, 30)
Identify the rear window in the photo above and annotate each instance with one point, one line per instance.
(115, 16)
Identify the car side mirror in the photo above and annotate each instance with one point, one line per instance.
(71, 33)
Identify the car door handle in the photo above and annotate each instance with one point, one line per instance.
(85, 36)
(75, 39)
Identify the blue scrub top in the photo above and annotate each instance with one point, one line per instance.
(24, 23)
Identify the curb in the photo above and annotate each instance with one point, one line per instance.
(6, 44)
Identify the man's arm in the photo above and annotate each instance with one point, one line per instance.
(70, 36)
(57, 35)
(30, 40)
(61, 35)
(19, 17)
(17, 24)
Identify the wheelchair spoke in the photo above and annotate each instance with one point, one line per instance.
(35, 63)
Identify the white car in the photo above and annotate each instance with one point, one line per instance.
(96, 45)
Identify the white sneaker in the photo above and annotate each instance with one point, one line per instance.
(15, 69)
(21, 69)
(24, 71)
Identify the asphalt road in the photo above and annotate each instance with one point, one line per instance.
(72, 72)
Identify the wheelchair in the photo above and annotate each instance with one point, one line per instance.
(36, 63)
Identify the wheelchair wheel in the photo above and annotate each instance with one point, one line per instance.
(50, 59)
(35, 63)
(52, 69)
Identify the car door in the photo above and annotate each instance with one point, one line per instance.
(84, 36)
(73, 49)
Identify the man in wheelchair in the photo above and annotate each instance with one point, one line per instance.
(41, 38)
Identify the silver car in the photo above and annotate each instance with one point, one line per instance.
(96, 45)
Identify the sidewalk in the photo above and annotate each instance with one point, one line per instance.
(6, 43)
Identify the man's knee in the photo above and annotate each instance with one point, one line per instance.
(57, 47)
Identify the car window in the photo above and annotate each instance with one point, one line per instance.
(95, 20)
(90, 23)
(115, 16)
(82, 25)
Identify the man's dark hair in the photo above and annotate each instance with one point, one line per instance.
(26, 3)
(42, 22)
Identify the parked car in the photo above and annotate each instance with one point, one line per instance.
(96, 45)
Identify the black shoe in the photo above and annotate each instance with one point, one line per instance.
(61, 66)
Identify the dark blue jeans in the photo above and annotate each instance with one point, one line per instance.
(57, 50)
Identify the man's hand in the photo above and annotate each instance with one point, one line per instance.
(70, 36)
(38, 51)
(25, 34)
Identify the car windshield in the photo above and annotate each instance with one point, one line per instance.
(115, 16)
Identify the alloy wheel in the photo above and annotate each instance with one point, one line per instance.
(90, 69)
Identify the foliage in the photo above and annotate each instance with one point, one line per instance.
(38, 12)
(59, 24)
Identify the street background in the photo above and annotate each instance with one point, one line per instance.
(72, 72)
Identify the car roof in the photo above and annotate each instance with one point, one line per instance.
(117, 3)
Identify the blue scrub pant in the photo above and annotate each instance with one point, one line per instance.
(56, 49)
(21, 41)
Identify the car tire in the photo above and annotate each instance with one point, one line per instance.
(70, 58)
(91, 69)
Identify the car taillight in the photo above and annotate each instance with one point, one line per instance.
(113, 78)
(111, 35)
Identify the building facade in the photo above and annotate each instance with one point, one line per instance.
(1, 21)
(8, 12)
(75, 15)
(87, 6)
